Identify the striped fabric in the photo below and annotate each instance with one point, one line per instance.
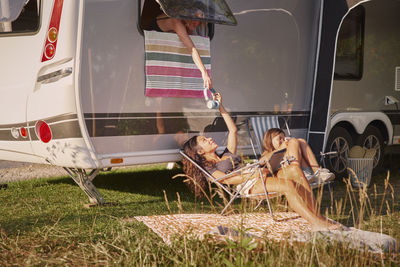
(261, 125)
(170, 70)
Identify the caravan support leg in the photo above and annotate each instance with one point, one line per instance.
(84, 181)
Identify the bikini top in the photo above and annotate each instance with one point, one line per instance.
(154, 25)
(225, 165)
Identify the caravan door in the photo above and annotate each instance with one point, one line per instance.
(53, 101)
(19, 52)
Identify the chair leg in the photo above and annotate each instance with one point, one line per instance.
(259, 203)
(266, 194)
(269, 207)
(229, 203)
(330, 188)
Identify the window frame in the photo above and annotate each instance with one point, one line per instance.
(232, 21)
(360, 34)
(210, 25)
(27, 33)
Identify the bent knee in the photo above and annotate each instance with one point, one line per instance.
(293, 141)
(301, 140)
(292, 170)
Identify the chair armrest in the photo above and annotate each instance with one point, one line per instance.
(239, 170)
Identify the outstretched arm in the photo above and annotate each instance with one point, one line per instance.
(181, 31)
(232, 129)
(232, 179)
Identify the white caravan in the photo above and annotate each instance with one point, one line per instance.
(72, 79)
(357, 90)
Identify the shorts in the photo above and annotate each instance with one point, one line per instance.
(244, 188)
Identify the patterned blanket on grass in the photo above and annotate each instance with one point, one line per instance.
(286, 226)
(170, 70)
(199, 225)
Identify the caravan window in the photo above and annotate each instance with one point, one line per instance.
(216, 11)
(350, 46)
(207, 11)
(19, 16)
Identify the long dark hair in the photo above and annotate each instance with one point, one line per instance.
(197, 182)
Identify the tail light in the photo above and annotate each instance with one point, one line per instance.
(49, 51)
(23, 132)
(50, 46)
(43, 131)
(15, 132)
(52, 35)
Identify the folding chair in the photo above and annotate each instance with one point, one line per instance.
(260, 125)
(233, 192)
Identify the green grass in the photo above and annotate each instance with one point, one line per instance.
(43, 222)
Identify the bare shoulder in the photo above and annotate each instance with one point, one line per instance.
(170, 21)
(177, 24)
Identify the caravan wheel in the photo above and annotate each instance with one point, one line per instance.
(372, 138)
(340, 141)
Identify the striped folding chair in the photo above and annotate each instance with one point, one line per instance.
(260, 125)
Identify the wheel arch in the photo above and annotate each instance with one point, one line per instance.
(347, 126)
(356, 123)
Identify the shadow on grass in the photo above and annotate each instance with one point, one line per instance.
(135, 193)
(149, 182)
(145, 190)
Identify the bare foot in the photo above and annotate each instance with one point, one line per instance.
(327, 227)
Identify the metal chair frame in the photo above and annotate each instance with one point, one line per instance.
(232, 192)
(261, 124)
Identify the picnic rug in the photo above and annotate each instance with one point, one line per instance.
(286, 226)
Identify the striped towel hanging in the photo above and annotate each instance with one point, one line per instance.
(170, 70)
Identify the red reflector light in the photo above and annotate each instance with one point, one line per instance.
(49, 51)
(43, 131)
(52, 35)
(23, 132)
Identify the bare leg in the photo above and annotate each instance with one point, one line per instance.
(296, 196)
(293, 149)
(294, 173)
(308, 155)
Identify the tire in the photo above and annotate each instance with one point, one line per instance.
(340, 141)
(372, 138)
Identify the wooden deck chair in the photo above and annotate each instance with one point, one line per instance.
(235, 193)
(260, 125)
